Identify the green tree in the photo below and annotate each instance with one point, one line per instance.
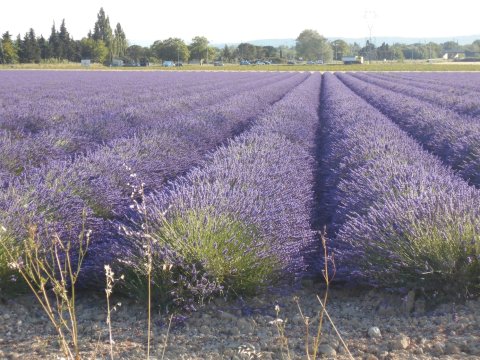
(475, 46)
(198, 48)
(397, 52)
(30, 50)
(93, 50)
(43, 44)
(435, 50)
(226, 53)
(311, 45)
(450, 46)
(64, 49)
(340, 49)
(102, 31)
(9, 52)
(201, 50)
(384, 52)
(173, 49)
(270, 52)
(53, 43)
(18, 44)
(135, 52)
(355, 49)
(120, 43)
(369, 51)
(247, 51)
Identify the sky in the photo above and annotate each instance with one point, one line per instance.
(243, 20)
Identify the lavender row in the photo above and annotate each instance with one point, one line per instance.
(400, 216)
(455, 139)
(469, 81)
(41, 102)
(54, 195)
(262, 179)
(93, 125)
(466, 103)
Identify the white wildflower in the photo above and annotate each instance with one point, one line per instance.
(276, 322)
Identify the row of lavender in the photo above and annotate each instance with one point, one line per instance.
(54, 195)
(244, 215)
(400, 216)
(459, 80)
(452, 137)
(77, 113)
(465, 102)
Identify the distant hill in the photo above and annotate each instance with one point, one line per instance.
(462, 40)
(264, 42)
(378, 40)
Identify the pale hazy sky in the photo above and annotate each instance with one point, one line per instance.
(243, 20)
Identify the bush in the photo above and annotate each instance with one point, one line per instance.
(227, 248)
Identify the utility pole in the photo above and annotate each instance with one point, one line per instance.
(370, 17)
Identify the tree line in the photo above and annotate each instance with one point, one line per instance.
(101, 45)
(104, 44)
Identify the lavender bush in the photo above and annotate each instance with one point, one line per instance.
(454, 139)
(244, 214)
(401, 217)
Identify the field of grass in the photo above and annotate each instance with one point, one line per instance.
(375, 66)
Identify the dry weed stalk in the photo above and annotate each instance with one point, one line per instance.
(110, 282)
(45, 271)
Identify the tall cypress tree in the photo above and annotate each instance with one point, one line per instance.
(119, 41)
(103, 32)
(30, 48)
(53, 43)
(64, 42)
(43, 45)
(20, 49)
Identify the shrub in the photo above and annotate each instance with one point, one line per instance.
(227, 248)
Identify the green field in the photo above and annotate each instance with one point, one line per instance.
(380, 66)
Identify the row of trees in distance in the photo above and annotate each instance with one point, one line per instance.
(103, 44)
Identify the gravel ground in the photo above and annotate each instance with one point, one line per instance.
(375, 324)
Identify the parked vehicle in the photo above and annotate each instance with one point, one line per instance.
(244, 62)
(168, 64)
(352, 60)
(217, 63)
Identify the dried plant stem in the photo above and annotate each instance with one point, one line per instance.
(280, 324)
(149, 306)
(334, 327)
(109, 323)
(327, 279)
(110, 282)
(166, 338)
(43, 269)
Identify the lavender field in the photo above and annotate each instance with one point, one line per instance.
(225, 179)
